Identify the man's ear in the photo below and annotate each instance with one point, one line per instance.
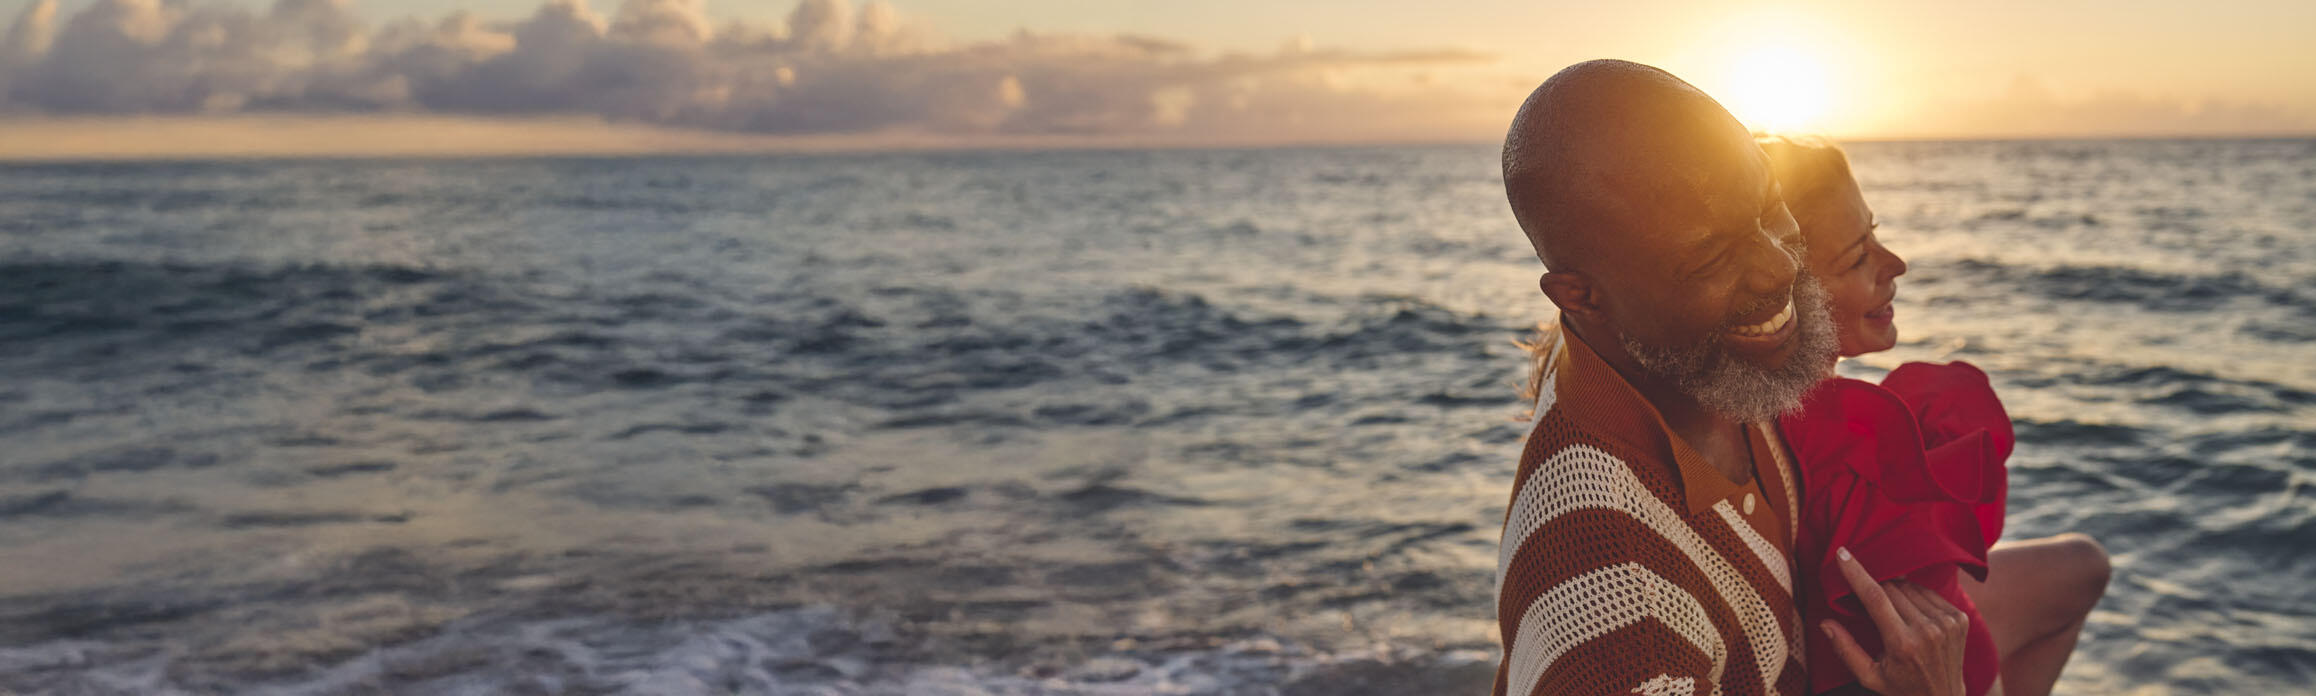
(1575, 294)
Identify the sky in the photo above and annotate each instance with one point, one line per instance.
(719, 74)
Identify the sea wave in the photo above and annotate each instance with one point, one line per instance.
(1060, 422)
(805, 651)
(2170, 291)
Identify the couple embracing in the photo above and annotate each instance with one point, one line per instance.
(1701, 506)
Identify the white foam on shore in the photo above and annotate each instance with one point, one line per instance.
(798, 652)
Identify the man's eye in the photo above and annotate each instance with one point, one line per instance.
(1710, 265)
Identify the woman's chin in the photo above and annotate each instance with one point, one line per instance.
(1879, 345)
(1869, 342)
(1889, 339)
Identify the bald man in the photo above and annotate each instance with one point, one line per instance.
(1647, 547)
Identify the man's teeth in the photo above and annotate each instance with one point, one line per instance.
(1774, 324)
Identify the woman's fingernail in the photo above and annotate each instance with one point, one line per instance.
(1843, 552)
(1825, 627)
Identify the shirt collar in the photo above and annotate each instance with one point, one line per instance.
(1603, 401)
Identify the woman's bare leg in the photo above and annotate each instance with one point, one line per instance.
(2036, 596)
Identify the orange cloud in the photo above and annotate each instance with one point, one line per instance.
(830, 68)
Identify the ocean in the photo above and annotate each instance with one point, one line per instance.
(1058, 422)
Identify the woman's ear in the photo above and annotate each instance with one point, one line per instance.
(1575, 295)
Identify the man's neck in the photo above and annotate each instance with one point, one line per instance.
(1718, 438)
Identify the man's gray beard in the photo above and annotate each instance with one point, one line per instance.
(1732, 387)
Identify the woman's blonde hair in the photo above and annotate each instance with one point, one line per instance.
(1540, 347)
(1807, 167)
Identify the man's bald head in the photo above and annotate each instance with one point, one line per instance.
(1670, 249)
(1608, 147)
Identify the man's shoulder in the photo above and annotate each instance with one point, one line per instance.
(1562, 450)
(1582, 502)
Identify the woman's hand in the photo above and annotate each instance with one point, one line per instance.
(1922, 637)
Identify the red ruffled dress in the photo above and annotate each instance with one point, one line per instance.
(1909, 475)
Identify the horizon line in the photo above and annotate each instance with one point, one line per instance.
(42, 139)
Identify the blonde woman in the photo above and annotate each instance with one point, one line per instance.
(1929, 490)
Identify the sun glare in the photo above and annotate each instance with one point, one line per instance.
(1777, 89)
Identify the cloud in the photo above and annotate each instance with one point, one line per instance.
(30, 35)
(830, 67)
(154, 56)
(27, 41)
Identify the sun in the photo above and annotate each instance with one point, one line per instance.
(1777, 88)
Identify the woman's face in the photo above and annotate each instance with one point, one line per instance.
(1859, 273)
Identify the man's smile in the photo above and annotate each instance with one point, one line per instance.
(1769, 328)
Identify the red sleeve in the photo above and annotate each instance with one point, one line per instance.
(1872, 488)
(1892, 540)
(1952, 400)
(1966, 430)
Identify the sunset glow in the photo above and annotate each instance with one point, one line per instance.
(1778, 89)
(784, 74)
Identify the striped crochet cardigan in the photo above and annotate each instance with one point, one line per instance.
(1629, 565)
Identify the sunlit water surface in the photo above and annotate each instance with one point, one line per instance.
(1013, 423)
